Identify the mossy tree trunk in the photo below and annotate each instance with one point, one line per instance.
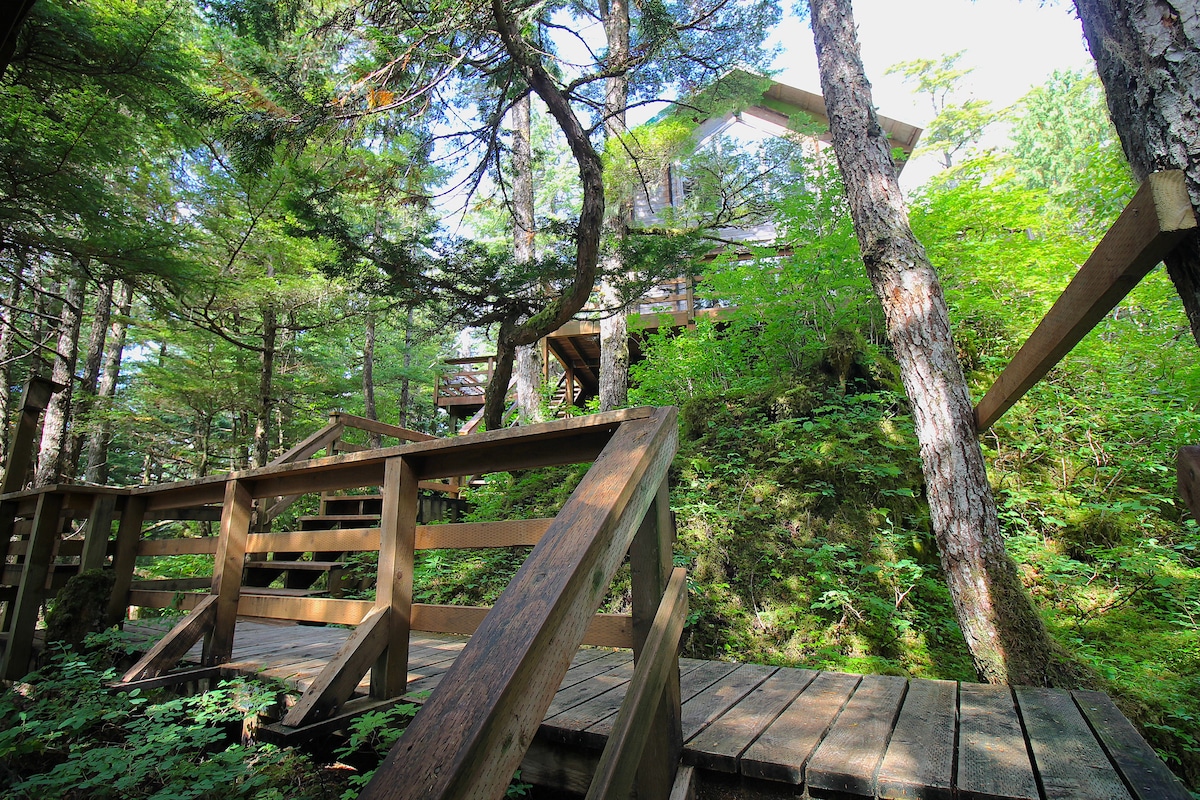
(1004, 632)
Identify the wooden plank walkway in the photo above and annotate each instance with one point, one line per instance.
(825, 733)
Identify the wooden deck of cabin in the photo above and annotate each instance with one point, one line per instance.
(796, 730)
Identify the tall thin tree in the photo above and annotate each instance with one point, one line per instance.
(1005, 634)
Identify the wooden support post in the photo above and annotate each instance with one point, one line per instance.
(227, 571)
(632, 731)
(97, 531)
(33, 402)
(33, 583)
(394, 585)
(1188, 471)
(1156, 219)
(129, 531)
(650, 560)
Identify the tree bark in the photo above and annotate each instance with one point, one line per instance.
(614, 327)
(101, 434)
(406, 380)
(266, 388)
(1004, 632)
(1148, 55)
(85, 393)
(528, 368)
(57, 420)
(375, 440)
(614, 346)
(8, 334)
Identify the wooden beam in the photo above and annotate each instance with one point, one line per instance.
(337, 680)
(194, 546)
(172, 647)
(313, 443)
(171, 679)
(227, 571)
(375, 426)
(327, 610)
(603, 630)
(1188, 470)
(568, 441)
(1157, 218)
(394, 584)
(471, 734)
(24, 611)
(20, 451)
(463, 535)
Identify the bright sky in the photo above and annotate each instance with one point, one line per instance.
(1013, 46)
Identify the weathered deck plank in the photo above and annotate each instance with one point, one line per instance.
(1144, 771)
(993, 761)
(719, 745)
(1069, 760)
(920, 758)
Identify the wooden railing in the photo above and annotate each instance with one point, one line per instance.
(465, 385)
(472, 732)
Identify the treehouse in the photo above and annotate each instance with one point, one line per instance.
(571, 355)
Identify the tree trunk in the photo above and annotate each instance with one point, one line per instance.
(496, 393)
(529, 373)
(57, 420)
(1148, 55)
(405, 380)
(1006, 637)
(614, 326)
(559, 310)
(375, 440)
(266, 378)
(614, 348)
(85, 394)
(101, 434)
(8, 334)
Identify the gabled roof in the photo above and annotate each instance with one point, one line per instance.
(779, 103)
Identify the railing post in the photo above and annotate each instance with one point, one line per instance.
(33, 584)
(33, 401)
(96, 532)
(227, 571)
(129, 531)
(650, 559)
(394, 585)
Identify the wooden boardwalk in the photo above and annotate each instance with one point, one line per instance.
(826, 733)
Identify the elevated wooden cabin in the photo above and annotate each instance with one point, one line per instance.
(571, 355)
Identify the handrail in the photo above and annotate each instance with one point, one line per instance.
(1156, 219)
(471, 733)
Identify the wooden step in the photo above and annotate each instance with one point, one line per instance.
(273, 592)
(328, 521)
(282, 564)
